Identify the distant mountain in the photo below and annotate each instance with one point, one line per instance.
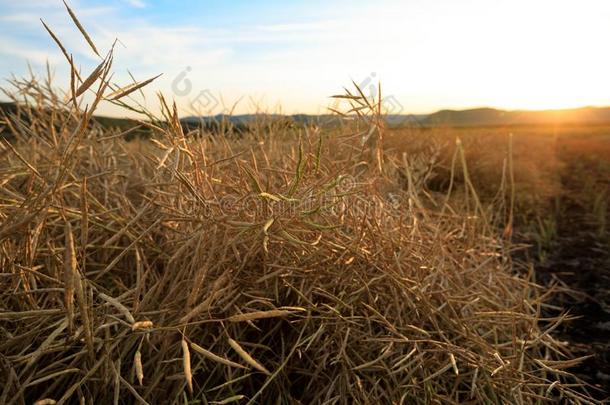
(251, 118)
(491, 117)
(457, 118)
(470, 117)
(127, 125)
(9, 108)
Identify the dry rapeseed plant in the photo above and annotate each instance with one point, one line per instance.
(137, 363)
(335, 293)
(246, 357)
(186, 364)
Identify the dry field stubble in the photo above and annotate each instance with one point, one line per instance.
(297, 267)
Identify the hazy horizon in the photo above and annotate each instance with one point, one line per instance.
(290, 58)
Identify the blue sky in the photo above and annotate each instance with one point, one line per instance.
(272, 55)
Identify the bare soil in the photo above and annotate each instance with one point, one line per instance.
(580, 259)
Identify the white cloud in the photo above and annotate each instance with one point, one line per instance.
(299, 27)
(35, 55)
(136, 3)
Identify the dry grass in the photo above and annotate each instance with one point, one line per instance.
(297, 266)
